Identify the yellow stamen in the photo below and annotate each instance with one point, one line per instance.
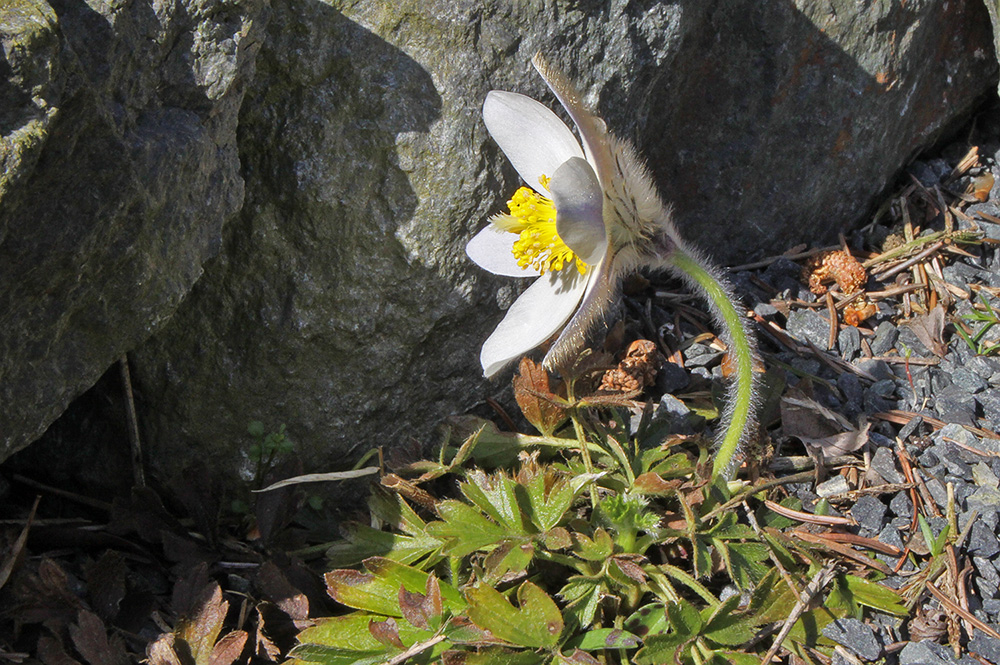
(533, 218)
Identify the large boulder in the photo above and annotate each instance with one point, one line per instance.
(119, 168)
(342, 304)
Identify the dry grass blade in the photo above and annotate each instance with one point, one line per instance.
(815, 586)
(809, 518)
(10, 562)
(321, 478)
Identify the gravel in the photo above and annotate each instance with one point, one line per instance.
(855, 636)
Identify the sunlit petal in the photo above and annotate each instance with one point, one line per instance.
(535, 316)
(579, 203)
(532, 137)
(491, 249)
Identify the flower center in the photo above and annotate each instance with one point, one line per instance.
(533, 218)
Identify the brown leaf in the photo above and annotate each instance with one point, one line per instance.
(421, 608)
(805, 418)
(106, 584)
(630, 568)
(636, 371)
(536, 399)
(51, 652)
(981, 186)
(229, 648)
(653, 483)
(386, 632)
(161, 651)
(90, 637)
(840, 444)
(201, 628)
(276, 588)
(929, 329)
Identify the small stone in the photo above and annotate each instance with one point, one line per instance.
(700, 355)
(929, 652)
(672, 378)
(809, 325)
(982, 541)
(854, 393)
(910, 427)
(990, 402)
(985, 646)
(881, 396)
(856, 636)
(849, 342)
(680, 419)
(955, 405)
(835, 485)
(951, 457)
(983, 366)
(885, 338)
(877, 368)
(901, 505)
(983, 476)
(765, 309)
(869, 513)
(884, 464)
(986, 570)
(968, 380)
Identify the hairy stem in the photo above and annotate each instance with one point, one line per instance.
(741, 349)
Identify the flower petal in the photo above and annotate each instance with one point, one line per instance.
(592, 129)
(534, 139)
(491, 249)
(534, 317)
(579, 203)
(600, 297)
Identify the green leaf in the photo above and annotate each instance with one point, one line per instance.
(494, 495)
(747, 563)
(873, 595)
(537, 623)
(660, 649)
(324, 655)
(648, 620)
(361, 542)
(604, 638)
(598, 549)
(350, 633)
(684, 619)
(464, 529)
(378, 590)
(583, 596)
(548, 500)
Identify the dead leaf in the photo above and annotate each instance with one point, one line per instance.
(805, 418)
(13, 557)
(386, 632)
(653, 483)
(420, 608)
(51, 652)
(636, 371)
(229, 648)
(537, 401)
(929, 329)
(201, 628)
(840, 444)
(106, 584)
(90, 637)
(321, 478)
(161, 651)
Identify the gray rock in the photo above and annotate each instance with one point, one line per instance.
(968, 380)
(672, 378)
(856, 636)
(909, 428)
(885, 338)
(954, 405)
(884, 464)
(835, 485)
(809, 325)
(676, 414)
(901, 505)
(929, 652)
(340, 301)
(985, 646)
(982, 541)
(119, 167)
(983, 366)
(849, 342)
(881, 396)
(989, 400)
(869, 513)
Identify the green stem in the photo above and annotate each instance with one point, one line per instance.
(581, 436)
(741, 350)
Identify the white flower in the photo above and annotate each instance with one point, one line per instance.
(590, 216)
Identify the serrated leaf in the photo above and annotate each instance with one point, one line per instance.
(378, 590)
(537, 623)
(549, 498)
(583, 596)
(413, 579)
(598, 549)
(464, 529)
(351, 633)
(660, 649)
(538, 404)
(746, 562)
(494, 495)
(604, 638)
(494, 656)
(647, 620)
(324, 655)
(508, 557)
(684, 619)
(362, 541)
